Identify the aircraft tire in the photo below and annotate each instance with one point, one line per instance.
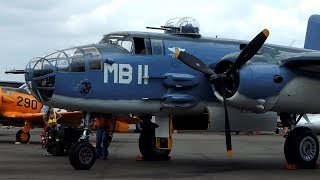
(147, 147)
(82, 155)
(22, 137)
(301, 148)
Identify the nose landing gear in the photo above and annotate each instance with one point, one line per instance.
(82, 154)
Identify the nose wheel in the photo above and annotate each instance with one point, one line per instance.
(82, 155)
(302, 148)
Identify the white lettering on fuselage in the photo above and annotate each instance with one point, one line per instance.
(122, 73)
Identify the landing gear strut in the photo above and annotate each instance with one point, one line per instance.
(82, 154)
(302, 148)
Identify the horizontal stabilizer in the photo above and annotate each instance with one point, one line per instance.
(14, 84)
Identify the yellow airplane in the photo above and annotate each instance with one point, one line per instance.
(18, 103)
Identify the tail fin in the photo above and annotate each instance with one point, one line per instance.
(312, 40)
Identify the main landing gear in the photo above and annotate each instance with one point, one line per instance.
(23, 135)
(82, 154)
(155, 142)
(301, 148)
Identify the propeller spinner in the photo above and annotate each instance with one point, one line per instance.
(248, 52)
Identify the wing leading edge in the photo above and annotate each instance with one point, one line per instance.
(305, 61)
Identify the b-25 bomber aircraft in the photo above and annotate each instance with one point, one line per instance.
(147, 74)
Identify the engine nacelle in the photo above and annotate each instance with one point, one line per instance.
(258, 88)
(241, 121)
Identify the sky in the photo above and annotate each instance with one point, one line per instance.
(32, 28)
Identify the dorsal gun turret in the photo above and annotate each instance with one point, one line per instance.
(186, 26)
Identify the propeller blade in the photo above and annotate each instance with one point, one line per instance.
(193, 62)
(250, 50)
(227, 123)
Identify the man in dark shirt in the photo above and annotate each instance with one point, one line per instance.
(102, 137)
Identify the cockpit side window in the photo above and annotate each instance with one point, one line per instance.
(142, 45)
(157, 46)
(121, 41)
(139, 47)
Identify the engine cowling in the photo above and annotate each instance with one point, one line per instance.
(257, 88)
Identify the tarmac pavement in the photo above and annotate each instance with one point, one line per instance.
(195, 155)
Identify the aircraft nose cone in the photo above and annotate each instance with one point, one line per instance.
(40, 78)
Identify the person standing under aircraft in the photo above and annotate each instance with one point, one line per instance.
(101, 122)
(50, 119)
(286, 120)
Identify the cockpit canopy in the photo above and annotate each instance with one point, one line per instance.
(121, 41)
(70, 60)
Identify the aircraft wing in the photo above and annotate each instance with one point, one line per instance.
(67, 118)
(14, 84)
(305, 61)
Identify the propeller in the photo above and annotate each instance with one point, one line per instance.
(194, 62)
(249, 51)
(246, 54)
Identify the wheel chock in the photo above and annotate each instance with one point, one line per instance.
(295, 167)
(20, 142)
(291, 167)
(141, 158)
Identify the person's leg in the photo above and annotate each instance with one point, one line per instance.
(98, 142)
(285, 121)
(285, 129)
(105, 143)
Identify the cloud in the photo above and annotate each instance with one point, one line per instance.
(33, 28)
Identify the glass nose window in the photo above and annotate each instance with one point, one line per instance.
(42, 71)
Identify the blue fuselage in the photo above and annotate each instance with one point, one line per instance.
(128, 82)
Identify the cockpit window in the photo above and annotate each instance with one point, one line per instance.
(76, 60)
(121, 41)
(93, 55)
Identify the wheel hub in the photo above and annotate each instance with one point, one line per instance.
(308, 148)
(24, 136)
(85, 155)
